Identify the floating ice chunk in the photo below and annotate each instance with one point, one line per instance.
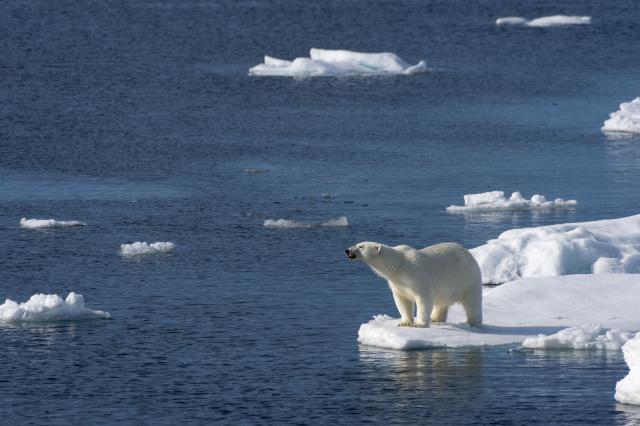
(526, 309)
(626, 120)
(139, 248)
(495, 201)
(48, 223)
(585, 337)
(323, 62)
(545, 21)
(286, 223)
(572, 248)
(628, 389)
(48, 307)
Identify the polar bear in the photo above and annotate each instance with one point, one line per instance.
(432, 278)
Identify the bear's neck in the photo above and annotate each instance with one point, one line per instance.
(386, 265)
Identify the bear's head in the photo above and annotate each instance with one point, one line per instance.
(366, 251)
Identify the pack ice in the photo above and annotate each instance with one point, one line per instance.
(628, 389)
(495, 201)
(573, 311)
(604, 246)
(334, 63)
(626, 119)
(544, 21)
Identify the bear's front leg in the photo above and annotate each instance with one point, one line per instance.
(424, 307)
(405, 308)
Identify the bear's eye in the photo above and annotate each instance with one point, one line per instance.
(360, 247)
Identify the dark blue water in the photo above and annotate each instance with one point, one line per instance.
(138, 118)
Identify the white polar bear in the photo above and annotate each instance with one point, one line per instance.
(433, 278)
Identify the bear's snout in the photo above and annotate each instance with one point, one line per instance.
(350, 253)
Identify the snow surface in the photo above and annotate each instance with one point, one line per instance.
(139, 248)
(48, 223)
(520, 311)
(604, 246)
(48, 307)
(496, 201)
(628, 389)
(626, 119)
(545, 21)
(286, 223)
(322, 62)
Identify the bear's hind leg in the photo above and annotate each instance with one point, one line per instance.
(439, 313)
(405, 307)
(473, 308)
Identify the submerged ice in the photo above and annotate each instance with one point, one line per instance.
(626, 119)
(48, 223)
(287, 223)
(496, 201)
(48, 307)
(628, 389)
(323, 62)
(604, 246)
(545, 21)
(139, 248)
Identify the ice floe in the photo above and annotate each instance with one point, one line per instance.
(139, 248)
(496, 201)
(332, 63)
(628, 389)
(287, 223)
(521, 311)
(626, 119)
(604, 246)
(545, 21)
(48, 223)
(48, 307)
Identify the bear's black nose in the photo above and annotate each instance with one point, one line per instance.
(348, 252)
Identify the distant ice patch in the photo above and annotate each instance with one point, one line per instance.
(48, 223)
(604, 246)
(48, 307)
(628, 389)
(582, 337)
(140, 248)
(496, 201)
(286, 223)
(626, 119)
(333, 63)
(545, 21)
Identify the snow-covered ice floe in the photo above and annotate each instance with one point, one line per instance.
(286, 223)
(48, 223)
(48, 307)
(628, 389)
(604, 246)
(626, 119)
(139, 248)
(332, 63)
(495, 201)
(545, 21)
(573, 311)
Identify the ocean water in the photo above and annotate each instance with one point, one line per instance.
(138, 118)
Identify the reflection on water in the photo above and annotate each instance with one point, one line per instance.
(628, 415)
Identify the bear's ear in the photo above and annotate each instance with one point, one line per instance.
(379, 248)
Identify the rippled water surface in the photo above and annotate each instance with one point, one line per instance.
(138, 118)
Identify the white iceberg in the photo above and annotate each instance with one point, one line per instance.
(287, 223)
(334, 63)
(496, 201)
(545, 21)
(625, 120)
(628, 389)
(517, 311)
(604, 246)
(48, 307)
(48, 223)
(139, 248)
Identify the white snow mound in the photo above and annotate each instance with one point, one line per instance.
(286, 223)
(48, 223)
(495, 201)
(48, 307)
(626, 119)
(518, 312)
(604, 246)
(333, 63)
(139, 248)
(545, 21)
(628, 389)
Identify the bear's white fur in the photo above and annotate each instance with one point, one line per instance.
(432, 278)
